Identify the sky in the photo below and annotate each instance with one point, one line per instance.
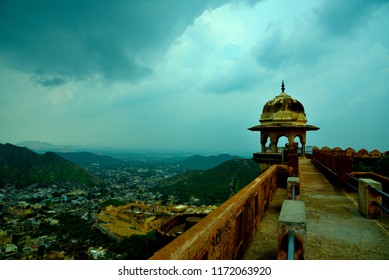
(191, 76)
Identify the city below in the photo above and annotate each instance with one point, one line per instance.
(122, 218)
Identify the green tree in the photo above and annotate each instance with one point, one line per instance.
(138, 247)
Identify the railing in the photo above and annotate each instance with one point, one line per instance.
(381, 206)
(337, 166)
(293, 192)
(308, 150)
(292, 230)
(374, 190)
(291, 245)
(350, 180)
(292, 223)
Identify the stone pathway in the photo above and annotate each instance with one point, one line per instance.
(335, 228)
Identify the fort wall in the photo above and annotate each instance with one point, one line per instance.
(226, 232)
(337, 166)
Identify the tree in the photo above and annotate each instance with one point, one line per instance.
(138, 247)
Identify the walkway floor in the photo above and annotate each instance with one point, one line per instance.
(335, 228)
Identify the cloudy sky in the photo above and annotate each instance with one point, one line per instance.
(193, 75)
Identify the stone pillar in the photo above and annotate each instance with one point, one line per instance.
(293, 182)
(290, 140)
(293, 160)
(273, 141)
(292, 218)
(368, 197)
(263, 145)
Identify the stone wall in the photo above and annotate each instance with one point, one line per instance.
(226, 232)
(335, 163)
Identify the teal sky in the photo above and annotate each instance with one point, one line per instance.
(192, 75)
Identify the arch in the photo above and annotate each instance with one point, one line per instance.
(301, 145)
(375, 154)
(362, 153)
(325, 148)
(268, 143)
(281, 136)
(283, 143)
(300, 137)
(350, 152)
(264, 138)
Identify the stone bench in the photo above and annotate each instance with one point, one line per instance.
(293, 182)
(292, 218)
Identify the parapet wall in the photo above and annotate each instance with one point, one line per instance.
(332, 163)
(350, 152)
(226, 232)
(337, 166)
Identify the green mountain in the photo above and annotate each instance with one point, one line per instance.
(198, 162)
(210, 187)
(22, 167)
(89, 159)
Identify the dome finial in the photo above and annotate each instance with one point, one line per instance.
(283, 86)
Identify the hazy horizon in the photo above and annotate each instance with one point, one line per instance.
(118, 150)
(109, 150)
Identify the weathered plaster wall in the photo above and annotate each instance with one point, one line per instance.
(226, 232)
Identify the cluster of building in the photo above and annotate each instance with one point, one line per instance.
(140, 218)
(25, 211)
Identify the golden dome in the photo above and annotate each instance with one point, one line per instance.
(283, 108)
(283, 111)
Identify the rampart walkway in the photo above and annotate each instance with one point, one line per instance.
(335, 228)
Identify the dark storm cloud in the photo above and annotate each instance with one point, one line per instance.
(279, 49)
(238, 79)
(47, 80)
(344, 18)
(271, 52)
(317, 36)
(67, 39)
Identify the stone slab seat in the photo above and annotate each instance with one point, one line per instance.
(292, 217)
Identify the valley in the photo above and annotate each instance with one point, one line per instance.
(60, 219)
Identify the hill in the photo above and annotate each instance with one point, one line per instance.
(210, 187)
(22, 167)
(89, 159)
(42, 147)
(198, 162)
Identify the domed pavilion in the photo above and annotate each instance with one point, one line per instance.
(282, 116)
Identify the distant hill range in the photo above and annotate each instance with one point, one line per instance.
(198, 162)
(42, 147)
(22, 167)
(212, 186)
(90, 159)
